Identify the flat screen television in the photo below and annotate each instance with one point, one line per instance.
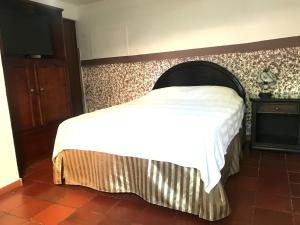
(25, 34)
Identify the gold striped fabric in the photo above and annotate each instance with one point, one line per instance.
(160, 183)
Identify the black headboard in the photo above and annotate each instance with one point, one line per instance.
(199, 73)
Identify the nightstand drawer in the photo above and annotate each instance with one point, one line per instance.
(288, 108)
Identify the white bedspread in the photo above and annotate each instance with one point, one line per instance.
(188, 126)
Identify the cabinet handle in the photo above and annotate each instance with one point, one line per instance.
(42, 89)
(32, 90)
(277, 108)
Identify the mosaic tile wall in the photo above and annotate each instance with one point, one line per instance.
(111, 84)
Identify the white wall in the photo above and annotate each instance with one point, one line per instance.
(8, 163)
(70, 10)
(117, 28)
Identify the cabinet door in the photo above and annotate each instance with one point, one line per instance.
(54, 92)
(20, 87)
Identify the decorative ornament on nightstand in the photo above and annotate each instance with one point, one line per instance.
(266, 78)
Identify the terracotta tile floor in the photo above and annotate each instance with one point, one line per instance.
(266, 191)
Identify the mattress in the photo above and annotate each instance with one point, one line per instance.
(190, 127)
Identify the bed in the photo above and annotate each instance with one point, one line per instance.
(160, 147)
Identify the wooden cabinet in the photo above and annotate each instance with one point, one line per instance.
(39, 86)
(276, 124)
(39, 99)
(37, 92)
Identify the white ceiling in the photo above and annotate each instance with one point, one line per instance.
(80, 2)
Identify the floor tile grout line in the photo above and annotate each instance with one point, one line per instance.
(290, 192)
(40, 199)
(255, 195)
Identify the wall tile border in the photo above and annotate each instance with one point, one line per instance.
(237, 48)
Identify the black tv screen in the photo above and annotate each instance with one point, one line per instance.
(25, 35)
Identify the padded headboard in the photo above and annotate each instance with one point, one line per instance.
(199, 73)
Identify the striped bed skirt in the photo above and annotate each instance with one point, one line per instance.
(161, 183)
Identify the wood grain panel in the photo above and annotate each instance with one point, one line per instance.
(21, 90)
(73, 66)
(53, 91)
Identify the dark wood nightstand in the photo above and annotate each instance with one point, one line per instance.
(275, 124)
